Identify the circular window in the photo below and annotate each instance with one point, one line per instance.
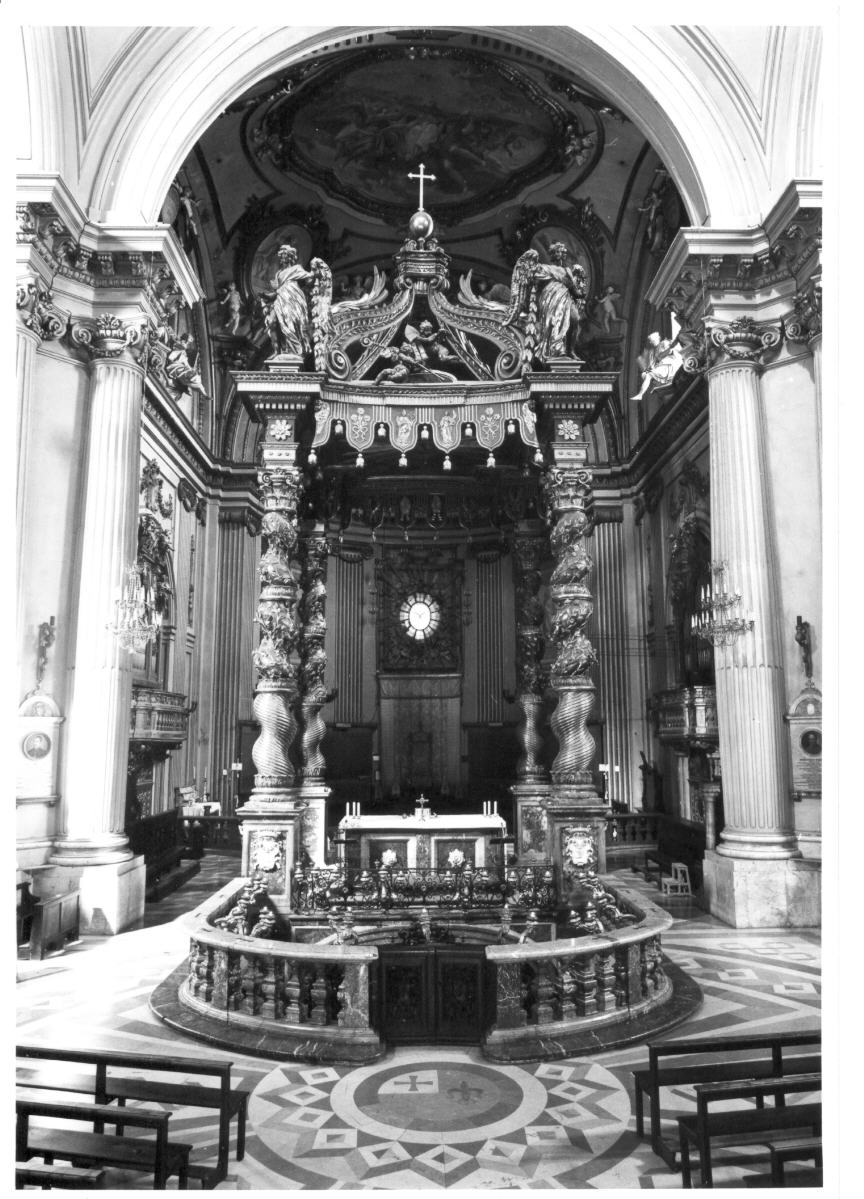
(420, 615)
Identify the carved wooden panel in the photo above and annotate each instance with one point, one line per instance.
(425, 572)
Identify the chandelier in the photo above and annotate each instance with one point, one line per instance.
(719, 618)
(137, 621)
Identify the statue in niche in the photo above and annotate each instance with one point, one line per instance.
(659, 363)
(411, 359)
(231, 302)
(562, 303)
(608, 309)
(286, 310)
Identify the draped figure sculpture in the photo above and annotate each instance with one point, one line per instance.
(286, 311)
(562, 303)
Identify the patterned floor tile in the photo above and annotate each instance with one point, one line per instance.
(436, 1117)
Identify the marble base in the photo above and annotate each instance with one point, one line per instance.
(313, 825)
(549, 1043)
(112, 896)
(228, 1030)
(784, 893)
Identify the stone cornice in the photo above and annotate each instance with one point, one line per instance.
(147, 261)
(704, 268)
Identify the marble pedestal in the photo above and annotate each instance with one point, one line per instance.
(112, 896)
(271, 829)
(576, 805)
(532, 826)
(783, 893)
(313, 824)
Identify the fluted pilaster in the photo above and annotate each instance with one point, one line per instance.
(749, 673)
(233, 664)
(98, 741)
(612, 631)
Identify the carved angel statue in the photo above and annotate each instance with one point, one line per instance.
(562, 303)
(412, 358)
(286, 312)
(232, 302)
(327, 316)
(659, 363)
(181, 373)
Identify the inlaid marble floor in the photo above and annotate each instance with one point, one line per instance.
(428, 1117)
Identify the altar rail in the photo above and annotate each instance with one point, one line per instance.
(314, 1002)
(323, 889)
(629, 835)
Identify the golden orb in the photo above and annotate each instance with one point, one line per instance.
(421, 224)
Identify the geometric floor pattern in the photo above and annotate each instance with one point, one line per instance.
(427, 1118)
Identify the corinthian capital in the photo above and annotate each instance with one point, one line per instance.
(743, 340)
(109, 336)
(567, 489)
(806, 320)
(37, 311)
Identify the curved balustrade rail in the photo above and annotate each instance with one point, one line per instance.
(316, 1001)
(545, 992)
(324, 889)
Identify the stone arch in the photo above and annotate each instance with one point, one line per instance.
(677, 84)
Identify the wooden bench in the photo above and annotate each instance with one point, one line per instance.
(104, 1087)
(29, 1174)
(154, 1155)
(769, 1056)
(794, 1150)
(53, 923)
(676, 842)
(749, 1125)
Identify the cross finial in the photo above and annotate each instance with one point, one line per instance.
(423, 179)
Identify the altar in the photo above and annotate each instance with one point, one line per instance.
(421, 840)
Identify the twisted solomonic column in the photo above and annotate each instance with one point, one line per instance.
(275, 658)
(568, 493)
(530, 676)
(313, 659)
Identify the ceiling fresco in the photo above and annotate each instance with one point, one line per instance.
(487, 127)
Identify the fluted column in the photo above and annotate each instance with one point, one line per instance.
(98, 737)
(749, 673)
(313, 662)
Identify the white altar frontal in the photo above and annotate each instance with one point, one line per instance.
(421, 840)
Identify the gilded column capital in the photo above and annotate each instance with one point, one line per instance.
(109, 337)
(742, 341)
(37, 310)
(568, 489)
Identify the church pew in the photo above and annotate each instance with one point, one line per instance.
(76, 1178)
(708, 1129)
(106, 1085)
(795, 1150)
(769, 1057)
(154, 1154)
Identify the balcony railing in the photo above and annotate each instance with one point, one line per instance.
(687, 717)
(158, 717)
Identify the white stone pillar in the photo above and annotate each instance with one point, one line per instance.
(751, 879)
(38, 320)
(751, 693)
(112, 883)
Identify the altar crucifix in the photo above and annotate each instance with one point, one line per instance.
(420, 806)
(423, 179)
